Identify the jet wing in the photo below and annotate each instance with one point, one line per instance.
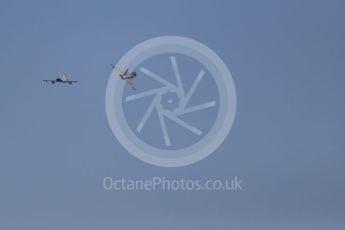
(130, 81)
(118, 71)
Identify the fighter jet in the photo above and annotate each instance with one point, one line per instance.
(126, 75)
(62, 78)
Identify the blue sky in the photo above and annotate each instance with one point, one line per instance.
(287, 61)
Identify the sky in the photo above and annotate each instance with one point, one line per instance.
(286, 143)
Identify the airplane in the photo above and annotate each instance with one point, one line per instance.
(126, 75)
(62, 78)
